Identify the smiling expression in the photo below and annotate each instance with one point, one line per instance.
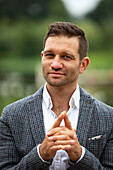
(60, 61)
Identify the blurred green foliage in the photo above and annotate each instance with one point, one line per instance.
(23, 25)
(32, 9)
(103, 13)
(22, 43)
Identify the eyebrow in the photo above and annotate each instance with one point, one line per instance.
(65, 53)
(48, 51)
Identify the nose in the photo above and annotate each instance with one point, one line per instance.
(57, 63)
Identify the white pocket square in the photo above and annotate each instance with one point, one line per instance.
(95, 137)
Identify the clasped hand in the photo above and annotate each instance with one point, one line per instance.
(61, 137)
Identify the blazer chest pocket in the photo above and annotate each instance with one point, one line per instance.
(96, 144)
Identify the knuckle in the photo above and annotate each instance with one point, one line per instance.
(66, 137)
(64, 128)
(60, 133)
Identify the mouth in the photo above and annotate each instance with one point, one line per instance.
(56, 74)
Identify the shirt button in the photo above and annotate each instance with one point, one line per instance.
(57, 158)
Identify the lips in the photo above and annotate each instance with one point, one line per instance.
(56, 74)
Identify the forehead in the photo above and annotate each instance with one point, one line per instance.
(62, 42)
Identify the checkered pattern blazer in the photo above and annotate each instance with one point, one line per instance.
(22, 129)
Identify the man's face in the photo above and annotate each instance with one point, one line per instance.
(60, 61)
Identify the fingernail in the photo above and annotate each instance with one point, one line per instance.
(74, 136)
(60, 116)
(63, 113)
(50, 138)
(61, 147)
(74, 130)
(72, 141)
(48, 133)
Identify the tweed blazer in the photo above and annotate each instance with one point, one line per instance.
(22, 129)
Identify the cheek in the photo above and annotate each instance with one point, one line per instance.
(45, 65)
(74, 72)
(75, 68)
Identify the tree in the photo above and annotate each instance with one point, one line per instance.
(33, 9)
(103, 12)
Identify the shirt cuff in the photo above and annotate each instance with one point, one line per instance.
(83, 153)
(49, 162)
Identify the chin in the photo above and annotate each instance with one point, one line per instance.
(56, 84)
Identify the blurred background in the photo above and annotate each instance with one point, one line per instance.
(23, 25)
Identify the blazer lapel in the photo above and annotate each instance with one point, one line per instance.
(85, 115)
(36, 117)
(37, 123)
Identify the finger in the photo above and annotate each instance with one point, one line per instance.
(57, 122)
(45, 149)
(67, 122)
(63, 147)
(55, 130)
(64, 131)
(59, 119)
(74, 130)
(62, 135)
(59, 137)
(64, 142)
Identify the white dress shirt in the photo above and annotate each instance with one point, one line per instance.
(60, 161)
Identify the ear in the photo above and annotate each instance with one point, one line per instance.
(42, 54)
(84, 64)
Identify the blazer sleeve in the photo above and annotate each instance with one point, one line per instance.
(90, 162)
(10, 158)
(104, 161)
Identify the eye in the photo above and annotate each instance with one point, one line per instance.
(49, 55)
(68, 57)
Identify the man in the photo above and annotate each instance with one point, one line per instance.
(60, 126)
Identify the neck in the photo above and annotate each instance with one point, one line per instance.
(60, 97)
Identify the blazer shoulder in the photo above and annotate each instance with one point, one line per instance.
(99, 106)
(20, 106)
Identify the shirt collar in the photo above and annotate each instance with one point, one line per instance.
(74, 101)
(47, 98)
(75, 98)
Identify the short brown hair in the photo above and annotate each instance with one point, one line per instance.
(69, 30)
